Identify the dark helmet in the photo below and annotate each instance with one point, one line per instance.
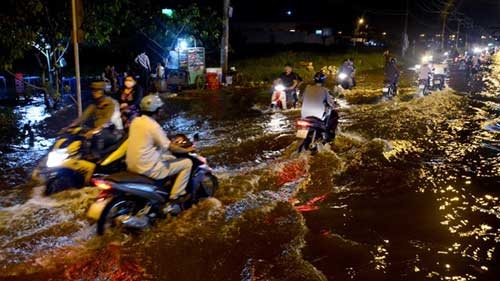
(319, 77)
(98, 85)
(393, 60)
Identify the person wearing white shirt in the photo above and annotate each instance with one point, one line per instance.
(143, 61)
(149, 150)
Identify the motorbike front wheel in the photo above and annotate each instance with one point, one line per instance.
(206, 187)
(63, 182)
(116, 208)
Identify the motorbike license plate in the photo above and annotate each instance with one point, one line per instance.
(302, 133)
(96, 208)
(437, 82)
(385, 90)
(421, 86)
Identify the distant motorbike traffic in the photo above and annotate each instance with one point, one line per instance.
(278, 98)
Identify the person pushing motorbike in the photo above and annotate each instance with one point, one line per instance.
(150, 151)
(316, 102)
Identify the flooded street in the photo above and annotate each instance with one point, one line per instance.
(408, 191)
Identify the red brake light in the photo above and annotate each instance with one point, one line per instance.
(303, 123)
(101, 184)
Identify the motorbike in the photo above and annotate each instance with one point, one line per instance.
(438, 82)
(71, 161)
(312, 130)
(389, 90)
(424, 86)
(345, 81)
(132, 201)
(278, 99)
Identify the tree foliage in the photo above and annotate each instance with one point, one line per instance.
(25, 23)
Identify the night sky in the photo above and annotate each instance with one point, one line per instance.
(424, 14)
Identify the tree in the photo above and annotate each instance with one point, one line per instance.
(36, 25)
(45, 26)
(199, 24)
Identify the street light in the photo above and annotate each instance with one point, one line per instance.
(358, 26)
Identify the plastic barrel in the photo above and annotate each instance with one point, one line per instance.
(213, 82)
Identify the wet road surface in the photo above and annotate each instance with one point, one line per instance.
(410, 192)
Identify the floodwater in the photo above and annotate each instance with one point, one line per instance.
(408, 191)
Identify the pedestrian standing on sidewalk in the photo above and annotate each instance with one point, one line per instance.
(143, 61)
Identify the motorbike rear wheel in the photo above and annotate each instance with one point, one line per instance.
(118, 206)
(309, 143)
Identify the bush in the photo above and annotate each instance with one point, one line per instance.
(267, 68)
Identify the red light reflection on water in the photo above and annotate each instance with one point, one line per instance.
(310, 206)
(291, 171)
(110, 265)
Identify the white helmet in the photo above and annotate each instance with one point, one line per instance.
(151, 103)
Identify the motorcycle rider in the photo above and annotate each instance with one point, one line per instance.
(316, 101)
(439, 72)
(423, 74)
(291, 81)
(348, 68)
(108, 126)
(391, 73)
(150, 151)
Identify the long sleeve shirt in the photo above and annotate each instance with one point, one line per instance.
(147, 146)
(105, 111)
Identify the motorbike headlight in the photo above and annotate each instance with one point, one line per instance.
(426, 59)
(342, 76)
(279, 87)
(57, 157)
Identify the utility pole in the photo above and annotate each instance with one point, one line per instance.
(404, 44)
(458, 33)
(445, 13)
(77, 57)
(225, 37)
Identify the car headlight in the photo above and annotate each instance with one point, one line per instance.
(57, 157)
(279, 87)
(342, 76)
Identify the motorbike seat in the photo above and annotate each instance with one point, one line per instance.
(130, 177)
(315, 119)
(164, 185)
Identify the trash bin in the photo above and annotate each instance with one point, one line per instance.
(213, 82)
